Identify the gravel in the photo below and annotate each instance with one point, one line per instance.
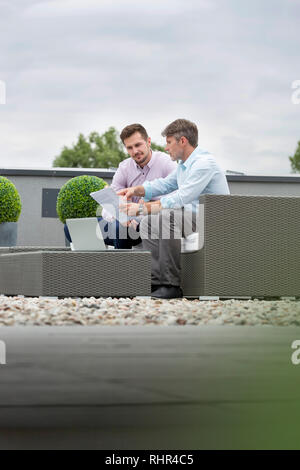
(146, 311)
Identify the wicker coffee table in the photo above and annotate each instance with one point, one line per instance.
(65, 273)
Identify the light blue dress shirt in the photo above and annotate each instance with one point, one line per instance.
(199, 174)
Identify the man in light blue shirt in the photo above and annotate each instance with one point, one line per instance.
(165, 221)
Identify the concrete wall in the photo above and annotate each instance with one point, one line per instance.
(265, 186)
(39, 226)
(34, 229)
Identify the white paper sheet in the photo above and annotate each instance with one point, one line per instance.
(110, 201)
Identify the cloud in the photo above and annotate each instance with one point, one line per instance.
(71, 8)
(74, 66)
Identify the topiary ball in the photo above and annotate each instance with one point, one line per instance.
(74, 200)
(10, 201)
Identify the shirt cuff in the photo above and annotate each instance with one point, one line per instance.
(167, 202)
(148, 191)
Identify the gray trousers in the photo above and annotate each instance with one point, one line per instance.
(161, 234)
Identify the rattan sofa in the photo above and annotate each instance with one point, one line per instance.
(251, 248)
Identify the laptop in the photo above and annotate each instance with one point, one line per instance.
(86, 234)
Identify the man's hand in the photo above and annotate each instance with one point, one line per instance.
(134, 224)
(130, 223)
(125, 224)
(130, 209)
(134, 191)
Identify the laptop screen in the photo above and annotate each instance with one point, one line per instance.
(86, 234)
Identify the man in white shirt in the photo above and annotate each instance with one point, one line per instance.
(175, 214)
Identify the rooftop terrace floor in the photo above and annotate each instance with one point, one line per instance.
(149, 387)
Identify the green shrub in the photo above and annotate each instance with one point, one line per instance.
(74, 200)
(10, 201)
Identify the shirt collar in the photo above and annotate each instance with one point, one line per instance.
(195, 154)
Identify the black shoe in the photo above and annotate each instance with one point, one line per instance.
(167, 292)
(154, 287)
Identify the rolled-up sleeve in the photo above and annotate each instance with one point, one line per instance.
(192, 187)
(160, 186)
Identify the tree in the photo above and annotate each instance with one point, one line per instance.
(155, 146)
(295, 160)
(95, 151)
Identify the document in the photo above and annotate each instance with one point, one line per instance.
(110, 201)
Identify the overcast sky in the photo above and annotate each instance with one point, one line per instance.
(74, 66)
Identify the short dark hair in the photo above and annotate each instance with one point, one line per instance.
(182, 128)
(128, 131)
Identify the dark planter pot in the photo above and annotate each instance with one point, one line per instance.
(8, 233)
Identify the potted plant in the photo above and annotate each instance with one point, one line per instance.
(74, 200)
(10, 210)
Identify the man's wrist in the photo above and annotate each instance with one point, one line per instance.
(140, 209)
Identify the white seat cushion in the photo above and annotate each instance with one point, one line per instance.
(190, 243)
